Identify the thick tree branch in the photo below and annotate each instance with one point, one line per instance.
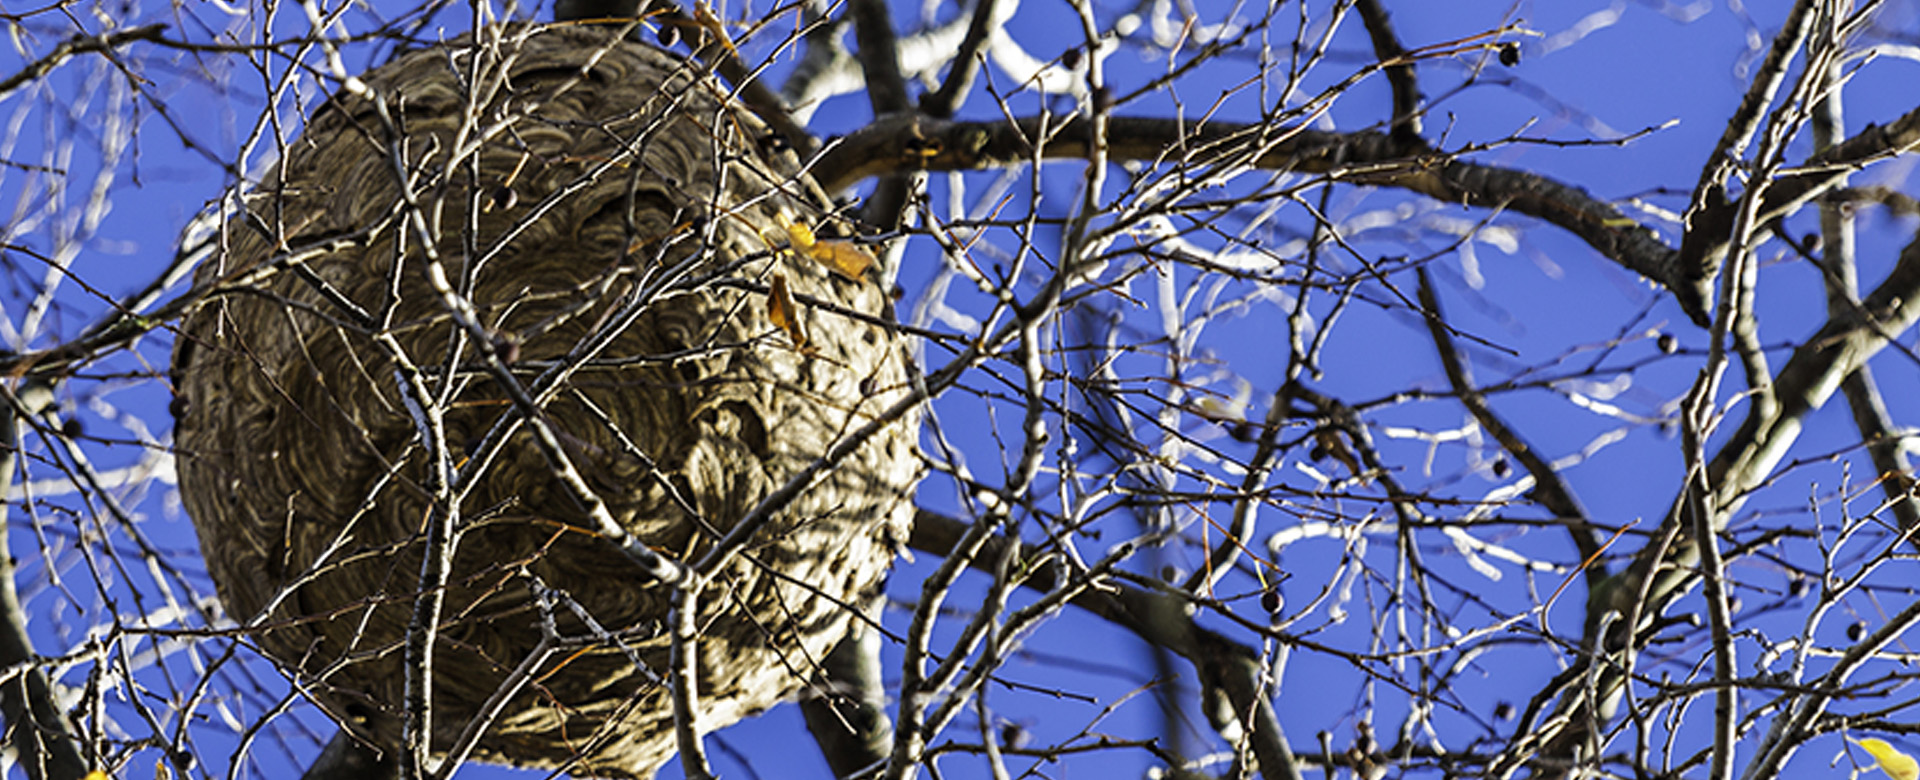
(1869, 409)
(1405, 125)
(847, 712)
(942, 102)
(911, 142)
(908, 142)
(1708, 220)
(879, 57)
(37, 731)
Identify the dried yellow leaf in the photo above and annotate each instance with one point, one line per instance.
(843, 258)
(798, 233)
(1896, 764)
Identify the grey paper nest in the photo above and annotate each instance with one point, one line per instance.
(570, 189)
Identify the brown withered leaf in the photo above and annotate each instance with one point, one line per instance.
(781, 310)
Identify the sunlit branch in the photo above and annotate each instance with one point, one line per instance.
(37, 729)
(879, 57)
(1837, 261)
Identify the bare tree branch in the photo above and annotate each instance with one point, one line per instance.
(37, 728)
(1661, 573)
(1404, 125)
(921, 143)
(1552, 491)
(1220, 662)
(1837, 260)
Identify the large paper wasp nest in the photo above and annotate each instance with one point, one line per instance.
(630, 244)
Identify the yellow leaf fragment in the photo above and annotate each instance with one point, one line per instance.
(1896, 764)
(798, 234)
(780, 309)
(843, 258)
(97, 775)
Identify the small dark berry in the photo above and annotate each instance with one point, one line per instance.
(1013, 735)
(1272, 601)
(506, 347)
(1509, 54)
(72, 428)
(1856, 632)
(503, 198)
(1667, 343)
(1503, 711)
(669, 35)
(1070, 59)
(1501, 468)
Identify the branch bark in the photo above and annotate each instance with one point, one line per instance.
(1549, 489)
(36, 728)
(848, 715)
(1870, 416)
(908, 142)
(1401, 77)
(914, 142)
